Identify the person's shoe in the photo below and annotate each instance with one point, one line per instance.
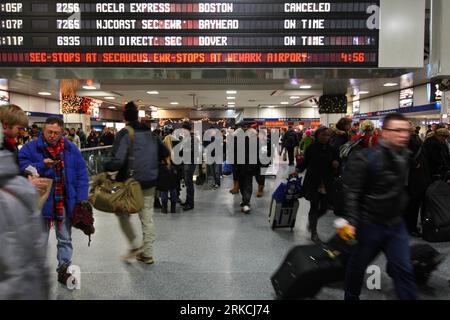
(260, 192)
(164, 209)
(235, 189)
(157, 204)
(173, 207)
(188, 208)
(216, 186)
(132, 253)
(146, 260)
(315, 238)
(246, 209)
(64, 276)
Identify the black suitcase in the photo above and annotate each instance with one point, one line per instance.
(436, 213)
(305, 270)
(425, 259)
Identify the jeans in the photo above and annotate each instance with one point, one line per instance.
(394, 242)
(165, 196)
(148, 232)
(246, 188)
(189, 170)
(64, 239)
(214, 170)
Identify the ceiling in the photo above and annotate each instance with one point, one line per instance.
(206, 89)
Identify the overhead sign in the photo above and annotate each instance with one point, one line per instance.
(175, 33)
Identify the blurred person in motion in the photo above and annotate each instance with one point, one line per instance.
(56, 158)
(13, 119)
(24, 272)
(375, 200)
(321, 165)
(148, 152)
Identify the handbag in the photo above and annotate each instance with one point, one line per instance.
(118, 197)
(227, 168)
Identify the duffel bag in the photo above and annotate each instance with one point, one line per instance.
(116, 197)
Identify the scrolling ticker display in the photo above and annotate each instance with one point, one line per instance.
(233, 33)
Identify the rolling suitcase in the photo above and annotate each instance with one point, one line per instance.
(305, 270)
(425, 259)
(283, 215)
(284, 205)
(436, 213)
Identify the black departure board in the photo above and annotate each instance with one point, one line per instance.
(175, 33)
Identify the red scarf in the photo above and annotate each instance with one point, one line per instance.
(57, 153)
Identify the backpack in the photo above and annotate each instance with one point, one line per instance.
(83, 219)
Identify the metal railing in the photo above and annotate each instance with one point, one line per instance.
(95, 157)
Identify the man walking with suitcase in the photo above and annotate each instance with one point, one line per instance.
(375, 201)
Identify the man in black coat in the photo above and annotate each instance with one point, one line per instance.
(290, 141)
(375, 199)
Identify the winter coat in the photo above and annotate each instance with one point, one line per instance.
(247, 162)
(24, 273)
(306, 142)
(148, 150)
(290, 139)
(338, 138)
(319, 165)
(437, 155)
(419, 175)
(374, 185)
(76, 176)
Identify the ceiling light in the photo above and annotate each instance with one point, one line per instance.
(315, 106)
(45, 93)
(390, 84)
(174, 103)
(89, 88)
(231, 98)
(152, 92)
(110, 98)
(231, 102)
(111, 107)
(306, 86)
(294, 97)
(270, 107)
(231, 92)
(364, 92)
(284, 102)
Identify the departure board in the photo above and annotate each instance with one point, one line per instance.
(175, 33)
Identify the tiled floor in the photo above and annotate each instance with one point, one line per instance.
(213, 252)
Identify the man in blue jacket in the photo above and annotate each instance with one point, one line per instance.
(57, 158)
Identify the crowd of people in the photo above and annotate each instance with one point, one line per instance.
(381, 177)
(77, 136)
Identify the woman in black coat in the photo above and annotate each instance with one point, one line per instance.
(321, 163)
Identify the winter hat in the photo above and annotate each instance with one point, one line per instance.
(308, 132)
(131, 112)
(367, 125)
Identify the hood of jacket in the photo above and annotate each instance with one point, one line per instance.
(8, 167)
